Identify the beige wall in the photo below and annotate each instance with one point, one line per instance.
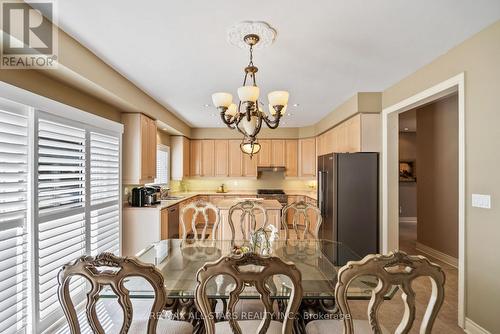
(408, 190)
(479, 58)
(162, 138)
(437, 156)
(360, 102)
(226, 133)
(41, 84)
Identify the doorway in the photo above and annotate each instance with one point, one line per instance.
(408, 204)
(390, 172)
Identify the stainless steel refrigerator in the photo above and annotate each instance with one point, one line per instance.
(348, 198)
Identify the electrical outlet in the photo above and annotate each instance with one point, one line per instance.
(481, 201)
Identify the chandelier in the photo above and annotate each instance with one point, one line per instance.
(247, 116)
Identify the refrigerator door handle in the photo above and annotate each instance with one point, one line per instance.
(320, 188)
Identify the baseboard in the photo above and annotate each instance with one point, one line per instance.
(412, 220)
(452, 261)
(472, 328)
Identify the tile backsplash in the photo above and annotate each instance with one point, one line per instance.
(266, 181)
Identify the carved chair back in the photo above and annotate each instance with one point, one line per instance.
(301, 208)
(237, 267)
(396, 268)
(200, 208)
(248, 220)
(106, 269)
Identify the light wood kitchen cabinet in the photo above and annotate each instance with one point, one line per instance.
(307, 157)
(235, 163)
(195, 158)
(207, 157)
(139, 149)
(265, 154)
(221, 157)
(179, 148)
(249, 165)
(291, 160)
(278, 153)
(360, 133)
(164, 223)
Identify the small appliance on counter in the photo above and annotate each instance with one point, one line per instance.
(137, 197)
(144, 196)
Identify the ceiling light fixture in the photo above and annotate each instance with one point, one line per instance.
(247, 116)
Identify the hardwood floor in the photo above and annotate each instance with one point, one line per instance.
(392, 310)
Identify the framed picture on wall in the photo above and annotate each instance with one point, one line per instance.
(407, 171)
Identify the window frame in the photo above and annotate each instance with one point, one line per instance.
(163, 148)
(36, 104)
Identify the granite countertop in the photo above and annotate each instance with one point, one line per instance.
(188, 195)
(226, 204)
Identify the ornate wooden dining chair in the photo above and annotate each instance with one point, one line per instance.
(106, 269)
(248, 220)
(200, 209)
(248, 269)
(301, 209)
(396, 268)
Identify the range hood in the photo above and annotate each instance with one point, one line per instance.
(279, 169)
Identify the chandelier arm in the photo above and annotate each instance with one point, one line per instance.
(227, 120)
(272, 123)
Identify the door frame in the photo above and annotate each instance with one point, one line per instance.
(389, 212)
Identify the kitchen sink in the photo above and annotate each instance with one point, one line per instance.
(173, 198)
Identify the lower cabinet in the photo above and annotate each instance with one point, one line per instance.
(170, 222)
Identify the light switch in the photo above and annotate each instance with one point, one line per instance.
(481, 201)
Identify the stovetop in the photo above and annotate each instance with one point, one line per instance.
(270, 192)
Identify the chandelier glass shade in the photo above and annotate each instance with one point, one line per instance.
(246, 116)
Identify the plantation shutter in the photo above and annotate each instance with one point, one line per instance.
(162, 164)
(60, 221)
(105, 193)
(14, 185)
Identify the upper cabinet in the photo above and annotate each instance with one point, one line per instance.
(207, 157)
(265, 153)
(250, 165)
(139, 149)
(235, 158)
(272, 153)
(307, 157)
(291, 158)
(195, 157)
(360, 133)
(180, 152)
(221, 158)
(278, 153)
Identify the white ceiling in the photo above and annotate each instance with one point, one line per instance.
(325, 51)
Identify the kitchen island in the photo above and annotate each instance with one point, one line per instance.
(272, 208)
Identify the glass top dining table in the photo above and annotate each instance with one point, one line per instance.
(179, 262)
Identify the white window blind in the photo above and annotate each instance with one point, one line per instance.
(13, 216)
(78, 204)
(162, 164)
(105, 193)
(60, 209)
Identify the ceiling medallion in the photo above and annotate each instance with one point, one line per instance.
(247, 116)
(236, 34)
